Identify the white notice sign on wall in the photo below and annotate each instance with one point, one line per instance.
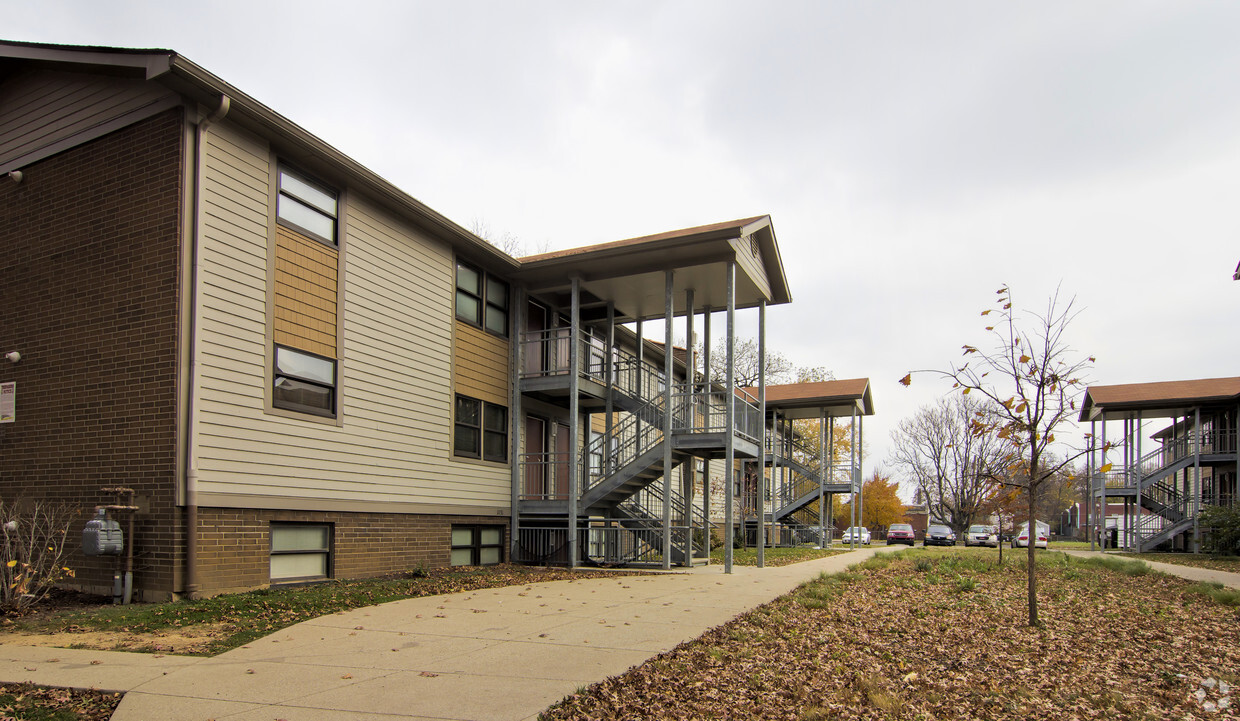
(8, 402)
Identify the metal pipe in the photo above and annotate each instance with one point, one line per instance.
(195, 374)
(706, 388)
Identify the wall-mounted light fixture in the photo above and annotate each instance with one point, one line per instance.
(15, 175)
(13, 356)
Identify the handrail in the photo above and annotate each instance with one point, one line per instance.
(544, 476)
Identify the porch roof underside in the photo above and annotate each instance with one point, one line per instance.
(631, 273)
(833, 399)
(1164, 399)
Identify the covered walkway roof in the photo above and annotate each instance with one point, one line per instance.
(812, 400)
(1163, 399)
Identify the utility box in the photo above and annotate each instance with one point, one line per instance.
(102, 536)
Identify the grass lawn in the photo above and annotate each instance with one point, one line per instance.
(775, 556)
(31, 703)
(1195, 560)
(930, 634)
(214, 625)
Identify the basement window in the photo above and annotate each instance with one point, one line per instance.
(477, 545)
(300, 552)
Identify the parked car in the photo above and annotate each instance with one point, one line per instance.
(901, 533)
(1021, 539)
(937, 535)
(861, 534)
(982, 536)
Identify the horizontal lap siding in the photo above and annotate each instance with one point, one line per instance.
(749, 258)
(481, 364)
(41, 108)
(394, 442)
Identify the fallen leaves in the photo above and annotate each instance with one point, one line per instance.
(890, 642)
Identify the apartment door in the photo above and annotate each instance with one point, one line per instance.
(536, 342)
(563, 447)
(534, 462)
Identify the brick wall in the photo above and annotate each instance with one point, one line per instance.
(234, 545)
(89, 249)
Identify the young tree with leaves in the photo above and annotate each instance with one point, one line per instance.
(1032, 377)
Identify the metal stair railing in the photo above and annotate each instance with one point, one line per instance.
(627, 441)
(648, 504)
(696, 409)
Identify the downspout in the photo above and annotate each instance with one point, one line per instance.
(195, 388)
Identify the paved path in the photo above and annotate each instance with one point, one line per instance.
(504, 653)
(1230, 580)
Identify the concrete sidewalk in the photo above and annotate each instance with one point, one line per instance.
(1230, 580)
(504, 653)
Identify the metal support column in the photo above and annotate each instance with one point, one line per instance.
(852, 479)
(706, 389)
(729, 456)
(761, 499)
(1091, 504)
(1196, 497)
(609, 407)
(668, 303)
(1139, 429)
(1102, 501)
(822, 478)
(574, 421)
(516, 426)
(690, 397)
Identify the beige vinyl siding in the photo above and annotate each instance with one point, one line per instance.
(749, 258)
(41, 109)
(393, 444)
(305, 293)
(481, 364)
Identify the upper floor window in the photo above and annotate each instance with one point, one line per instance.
(304, 382)
(481, 299)
(306, 206)
(480, 430)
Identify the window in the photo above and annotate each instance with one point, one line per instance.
(304, 382)
(477, 545)
(306, 206)
(300, 552)
(481, 300)
(481, 430)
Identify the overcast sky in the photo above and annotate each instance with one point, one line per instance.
(914, 156)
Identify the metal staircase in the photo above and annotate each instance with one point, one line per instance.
(1170, 510)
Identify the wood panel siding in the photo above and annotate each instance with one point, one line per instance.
(481, 364)
(394, 442)
(749, 260)
(306, 276)
(43, 111)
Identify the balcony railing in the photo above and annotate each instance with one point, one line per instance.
(544, 476)
(1170, 451)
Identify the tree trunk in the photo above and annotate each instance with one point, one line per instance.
(1033, 545)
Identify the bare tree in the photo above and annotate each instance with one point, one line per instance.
(779, 369)
(1032, 378)
(505, 241)
(942, 452)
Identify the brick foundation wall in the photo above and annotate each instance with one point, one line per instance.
(89, 255)
(234, 544)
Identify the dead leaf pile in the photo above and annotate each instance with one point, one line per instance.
(948, 641)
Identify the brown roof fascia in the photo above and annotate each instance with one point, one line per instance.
(1156, 395)
(194, 82)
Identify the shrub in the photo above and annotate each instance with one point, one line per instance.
(33, 551)
(1221, 529)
